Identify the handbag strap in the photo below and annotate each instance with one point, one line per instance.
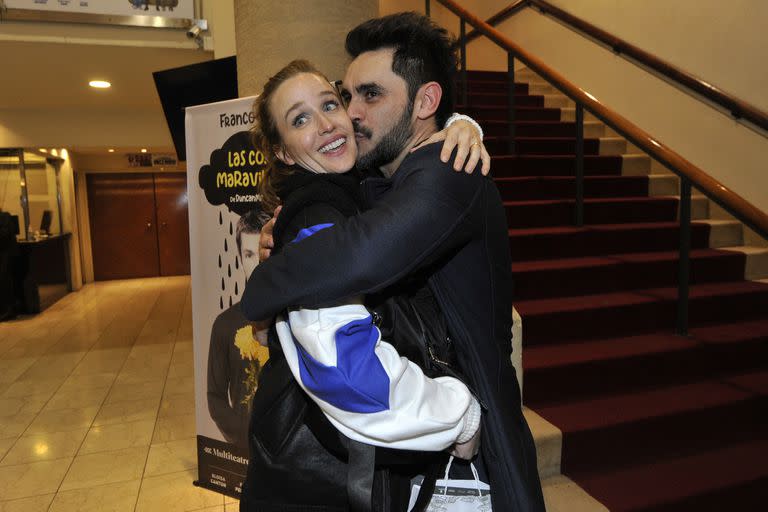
(428, 484)
(362, 458)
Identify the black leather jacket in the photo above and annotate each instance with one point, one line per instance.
(427, 217)
(298, 461)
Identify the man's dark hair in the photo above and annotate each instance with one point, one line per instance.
(423, 52)
(250, 223)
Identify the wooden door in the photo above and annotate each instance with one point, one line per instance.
(123, 223)
(173, 223)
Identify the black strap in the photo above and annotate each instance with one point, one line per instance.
(362, 458)
(428, 485)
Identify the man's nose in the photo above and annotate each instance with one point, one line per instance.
(354, 110)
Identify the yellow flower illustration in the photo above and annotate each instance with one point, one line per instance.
(250, 349)
(256, 354)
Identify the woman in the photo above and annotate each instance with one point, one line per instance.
(334, 355)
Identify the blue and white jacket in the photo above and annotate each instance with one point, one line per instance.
(336, 354)
(366, 390)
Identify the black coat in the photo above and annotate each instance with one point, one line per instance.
(298, 462)
(454, 224)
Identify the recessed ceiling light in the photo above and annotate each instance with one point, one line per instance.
(111, 150)
(43, 150)
(100, 84)
(143, 150)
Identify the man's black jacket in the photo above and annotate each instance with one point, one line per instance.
(454, 224)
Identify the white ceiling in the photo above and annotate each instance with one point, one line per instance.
(55, 75)
(45, 95)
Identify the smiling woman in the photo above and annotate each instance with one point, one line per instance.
(300, 123)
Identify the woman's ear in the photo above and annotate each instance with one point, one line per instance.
(428, 100)
(283, 155)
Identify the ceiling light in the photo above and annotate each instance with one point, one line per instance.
(100, 84)
(111, 150)
(143, 150)
(43, 150)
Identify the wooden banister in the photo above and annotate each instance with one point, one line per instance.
(722, 195)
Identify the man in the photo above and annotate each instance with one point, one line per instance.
(235, 356)
(399, 90)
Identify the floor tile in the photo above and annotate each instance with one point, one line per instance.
(128, 411)
(118, 497)
(135, 391)
(102, 438)
(174, 492)
(25, 480)
(27, 387)
(88, 381)
(33, 504)
(175, 405)
(79, 399)
(180, 386)
(41, 447)
(171, 457)
(105, 468)
(174, 428)
(21, 405)
(5, 445)
(62, 420)
(14, 426)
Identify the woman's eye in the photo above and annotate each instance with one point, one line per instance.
(330, 106)
(299, 121)
(371, 94)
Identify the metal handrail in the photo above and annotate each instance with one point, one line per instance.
(690, 175)
(737, 107)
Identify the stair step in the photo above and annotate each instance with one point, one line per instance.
(724, 233)
(606, 315)
(663, 185)
(495, 113)
(554, 165)
(560, 212)
(501, 100)
(620, 365)
(499, 145)
(495, 87)
(601, 240)
(568, 277)
(732, 477)
(756, 265)
(564, 187)
(592, 129)
(661, 423)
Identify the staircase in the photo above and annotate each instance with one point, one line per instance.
(650, 421)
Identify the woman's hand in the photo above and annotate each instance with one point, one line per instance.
(266, 241)
(464, 135)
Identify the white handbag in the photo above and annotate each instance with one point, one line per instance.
(456, 495)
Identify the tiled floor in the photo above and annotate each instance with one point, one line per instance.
(97, 403)
(97, 407)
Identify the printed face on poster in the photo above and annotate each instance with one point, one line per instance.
(225, 221)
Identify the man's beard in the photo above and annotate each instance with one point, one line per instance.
(391, 144)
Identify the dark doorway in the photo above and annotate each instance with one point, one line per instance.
(139, 225)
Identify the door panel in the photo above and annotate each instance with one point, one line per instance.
(123, 225)
(173, 223)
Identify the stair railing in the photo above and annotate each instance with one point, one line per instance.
(737, 108)
(689, 174)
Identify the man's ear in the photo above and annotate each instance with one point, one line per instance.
(283, 155)
(427, 100)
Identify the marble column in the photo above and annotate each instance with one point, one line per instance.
(269, 34)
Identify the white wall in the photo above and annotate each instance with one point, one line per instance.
(731, 152)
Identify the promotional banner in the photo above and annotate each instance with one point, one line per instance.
(225, 221)
(184, 9)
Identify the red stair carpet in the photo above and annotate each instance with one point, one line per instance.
(651, 421)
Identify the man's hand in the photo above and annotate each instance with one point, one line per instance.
(464, 135)
(266, 241)
(467, 450)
